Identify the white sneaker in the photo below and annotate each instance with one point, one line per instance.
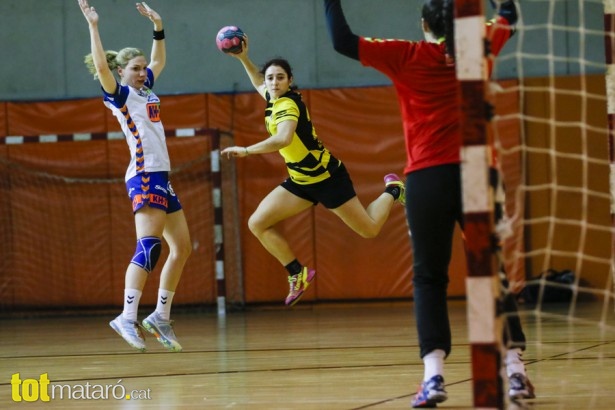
(130, 332)
(163, 330)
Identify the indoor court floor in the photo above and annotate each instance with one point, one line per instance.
(323, 356)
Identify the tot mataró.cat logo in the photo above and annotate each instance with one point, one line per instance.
(43, 389)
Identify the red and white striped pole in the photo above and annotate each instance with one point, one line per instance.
(609, 53)
(482, 285)
(216, 178)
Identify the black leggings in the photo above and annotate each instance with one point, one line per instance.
(433, 207)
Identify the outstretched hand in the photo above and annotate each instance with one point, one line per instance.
(89, 12)
(234, 152)
(148, 12)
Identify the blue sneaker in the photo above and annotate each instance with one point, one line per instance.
(430, 393)
(520, 387)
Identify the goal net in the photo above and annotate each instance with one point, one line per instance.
(68, 232)
(551, 132)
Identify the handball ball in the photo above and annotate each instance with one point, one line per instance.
(229, 39)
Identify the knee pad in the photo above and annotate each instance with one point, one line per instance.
(147, 252)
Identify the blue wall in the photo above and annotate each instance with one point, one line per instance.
(43, 42)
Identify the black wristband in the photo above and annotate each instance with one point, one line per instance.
(159, 35)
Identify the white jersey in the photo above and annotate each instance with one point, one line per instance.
(138, 112)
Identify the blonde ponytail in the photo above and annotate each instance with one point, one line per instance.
(114, 59)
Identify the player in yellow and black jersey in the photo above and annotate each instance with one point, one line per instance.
(314, 174)
(307, 159)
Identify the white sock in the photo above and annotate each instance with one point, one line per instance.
(131, 304)
(514, 362)
(434, 364)
(165, 299)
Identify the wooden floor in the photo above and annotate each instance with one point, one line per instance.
(361, 356)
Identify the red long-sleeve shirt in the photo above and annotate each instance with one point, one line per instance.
(428, 92)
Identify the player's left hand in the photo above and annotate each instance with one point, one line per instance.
(235, 152)
(148, 12)
(89, 12)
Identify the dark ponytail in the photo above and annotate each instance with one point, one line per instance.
(440, 17)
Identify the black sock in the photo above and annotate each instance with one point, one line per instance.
(294, 267)
(394, 190)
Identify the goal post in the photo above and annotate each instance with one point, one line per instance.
(227, 253)
(609, 49)
(482, 287)
(68, 230)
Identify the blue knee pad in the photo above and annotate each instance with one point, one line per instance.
(147, 252)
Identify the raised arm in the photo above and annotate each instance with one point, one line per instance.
(103, 72)
(256, 77)
(344, 40)
(506, 9)
(158, 57)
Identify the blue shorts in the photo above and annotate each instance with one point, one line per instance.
(153, 189)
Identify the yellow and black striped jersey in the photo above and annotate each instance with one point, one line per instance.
(307, 159)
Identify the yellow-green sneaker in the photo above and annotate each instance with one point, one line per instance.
(298, 285)
(394, 180)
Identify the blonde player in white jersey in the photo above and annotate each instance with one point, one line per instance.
(157, 211)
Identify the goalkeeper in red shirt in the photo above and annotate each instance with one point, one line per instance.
(423, 74)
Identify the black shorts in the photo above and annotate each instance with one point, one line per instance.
(333, 192)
